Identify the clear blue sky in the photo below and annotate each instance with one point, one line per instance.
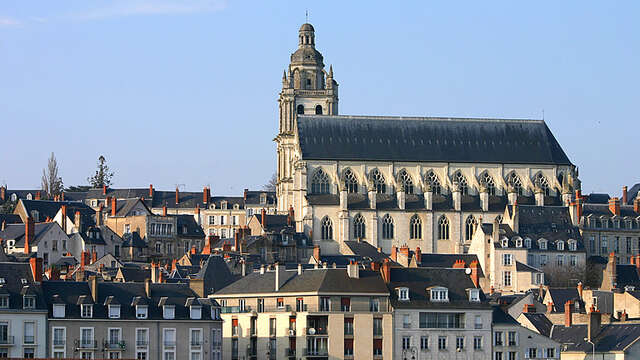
(184, 92)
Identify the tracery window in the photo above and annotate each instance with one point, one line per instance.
(443, 228)
(350, 181)
(378, 181)
(415, 227)
(432, 179)
(300, 109)
(461, 181)
(327, 229)
(405, 182)
(358, 227)
(320, 182)
(318, 109)
(542, 182)
(488, 183)
(470, 227)
(387, 227)
(513, 180)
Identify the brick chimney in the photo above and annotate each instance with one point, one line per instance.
(245, 195)
(164, 210)
(578, 205)
(99, 215)
(624, 317)
(625, 199)
(3, 193)
(114, 206)
(459, 264)
(29, 232)
(594, 324)
(353, 270)
(263, 220)
(83, 259)
(36, 268)
(205, 195)
(62, 196)
(316, 253)
(173, 264)
(394, 253)
(177, 196)
(94, 257)
(38, 196)
(194, 250)
(636, 204)
(385, 270)
(637, 263)
(475, 274)
(614, 206)
(404, 250)
(104, 189)
(529, 308)
(236, 240)
(567, 313)
(93, 285)
(418, 255)
(147, 287)
(78, 221)
(549, 307)
(63, 208)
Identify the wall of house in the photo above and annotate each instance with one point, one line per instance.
(16, 321)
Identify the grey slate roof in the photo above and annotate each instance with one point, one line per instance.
(365, 250)
(559, 296)
(193, 229)
(215, 273)
(526, 268)
(540, 322)
(632, 193)
(549, 222)
(10, 219)
(253, 197)
(16, 232)
(325, 137)
(612, 337)
(501, 317)
(13, 273)
(49, 209)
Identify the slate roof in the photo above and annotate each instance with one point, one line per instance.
(508, 141)
(275, 223)
(603, 210)
(13, 273)
(193, 229)
(549, 222)
(10, 219)
(541, 322)
(595, 198)
(612, 337)
(627, 275)
(253, 197)
(417, 280)
(134, 274)
(16, 232)
(520, 267)
(231, 200)
(216, 274)
(501, 317)
(49, 209)
(316, 280)
(632, 193)
(366, 250)
(559, 297)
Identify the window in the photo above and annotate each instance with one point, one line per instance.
(604, 245)
(439, 294)
(59, 337)
(29, 332)
(348, 326)
(348, 347)
(169, 337)
(142, 337)
(29, 302)
(478, 323)
(242, 305)
(168, 311)
(424, 343)
(196, 337)
(196, 312)
(550, 353)
(272, 327)
(497, 355)
(518, 242)
(527, 243)
(487, 181)
(406, 342)
(325, 304)
(573, 260)
(497, 338)
(86, 310)
(387, 227)
(538, 279)
(327, 229)
(434, 184)
(512, 355)
(507, 259)
(320, 182)
(474, 295)
(443, 228)
(429, 320)
(514, 183)
(477, 342)
(114, 337)
(511, 337)
(406, 321)
(560, 245)
(261, 305)
(542, 243)
(506, 278)
(350, 181)
(415, 227)
(359, 227)
(442, 343)
(377, 327)
(58, 310)
(470, 226)
(543, 260)
(460, 182)
(374, 305)
(29, 353)
(542, 183)
(377, 347)
(141, 311)
(86, 337)
(114, 311)
(403, 294)
(405, 182)
(378, 181)
(234, 327)
(459, 343)
(560, 260)
(300, 304)
(234, 342)
(212, 220)
(533, 353)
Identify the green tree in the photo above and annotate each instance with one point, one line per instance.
(51, 183)
(103, 174)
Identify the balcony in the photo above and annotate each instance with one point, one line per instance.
(30, 340)
(115, 344)
(235, 309)
(316, 352)
(87, 344)
(196, 342)
(59, 343)
(169, 343)
(7, 341)
(142, 342)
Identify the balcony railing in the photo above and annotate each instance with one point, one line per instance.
(87, 344)
(113, 344)
(169, 343)
(235, 309)
(316, 352)
(196, 342)
(315, 331)
(7, 340)
(142, 342)
(302, 308)
(59, 342)
(29, 339)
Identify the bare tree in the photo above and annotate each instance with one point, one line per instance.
(271, 184)
(51, 182)
(561, 276)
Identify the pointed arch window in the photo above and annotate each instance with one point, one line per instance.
(461, 182)
(300, 109)
(470, 227)
(359, 229)
(327, 229)
(443, 228)
(318, 109)
(378, 181)
(320, 182)
(432, 179)
(488, 183)
(387, 227)
(542, 182)
(405, 181)
(350, 181)
(415, 227)
(513, 180)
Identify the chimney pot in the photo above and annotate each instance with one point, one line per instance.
(624, 195)
(114, 206)
(29, 232)
(104, 189)
(36, 268)
(164, 210)
(150, 190)
(177, 196)
(614, 206)
(567, 313)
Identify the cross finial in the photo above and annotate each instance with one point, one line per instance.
(306, 15)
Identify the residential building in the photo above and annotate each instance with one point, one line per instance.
(512, 341)
(44, 240)
(256, 201)
(224, 216)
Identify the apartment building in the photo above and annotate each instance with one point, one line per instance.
(131, 320)
(512, 341)
(223, 216)
(323, 313)
(256, 201)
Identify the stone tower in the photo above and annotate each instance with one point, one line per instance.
(306, 89)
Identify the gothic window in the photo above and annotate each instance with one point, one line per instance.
(470, 227)
(499, 219)
(415, 227)
(443, 228)
(327, 229)
(358, 227)
(320, 183)
(387, 227)
(378, 182)
(513, 180)
(432, 179)
(542, 182)
(405, 182)
(300, 109)
(461, 182)
(350, 181)
(318, 109)
(488, 183)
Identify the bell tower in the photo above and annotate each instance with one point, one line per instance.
(307, 89)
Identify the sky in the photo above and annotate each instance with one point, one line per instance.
(184, 93)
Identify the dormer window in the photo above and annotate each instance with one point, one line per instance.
(572, 245)
(527, 243)
(196, 312)
(169, 312)
(223, 205)
(58, 310)
(114, 311)
(141, 311)
(519, 242)
(263, 198)
(4, 302)
(560, 245)
(403, 293)
(542, 243)
(29, 302)
(86, 310)
(474, 295)
(504, 242)
(439, 294)
(215, 313)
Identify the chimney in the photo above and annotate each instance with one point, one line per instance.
(580, 289)
(63, 208)
(263, 219)
(147, 287)
(459, 264)
(624, 317)
(4, 224)
(578, 206)
(114, 206)
(3, 193)
(418, 255)
(593, 327)
(82, 259)
(612, 269)
(262, 269)
(94, 257)
(205, 195)
(299, 269)
(614, 206)
(104, 189)
(394, 253)
(404, 250)
(636, 204)
(292, 214)
(78, 221)
(29, 233)
(475, 274)
(93, 285)
(638, 263)
(62, 196)
(385, 270)
(353, 270)
(99, 215)
(236, 240)
(177, 196)
(567, 313)
(164, 210)
(316, 253)
(280, 276)
(245, 195)
(625, 199)
(36, 268)
(549, 307)
(206, 250)
(38, 196)
(529, 308)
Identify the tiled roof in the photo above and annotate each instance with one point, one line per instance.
(541, 322)
(612, 337)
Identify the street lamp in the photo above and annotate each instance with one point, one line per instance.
(593, 345)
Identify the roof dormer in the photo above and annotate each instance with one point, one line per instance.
(403, 293)
(542, 243)
(474, 295)
(438, 294)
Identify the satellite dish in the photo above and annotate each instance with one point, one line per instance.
(312, 331)
(467, 271)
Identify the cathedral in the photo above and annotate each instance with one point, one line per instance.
(423, 182)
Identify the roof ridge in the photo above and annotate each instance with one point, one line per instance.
(426, 118)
